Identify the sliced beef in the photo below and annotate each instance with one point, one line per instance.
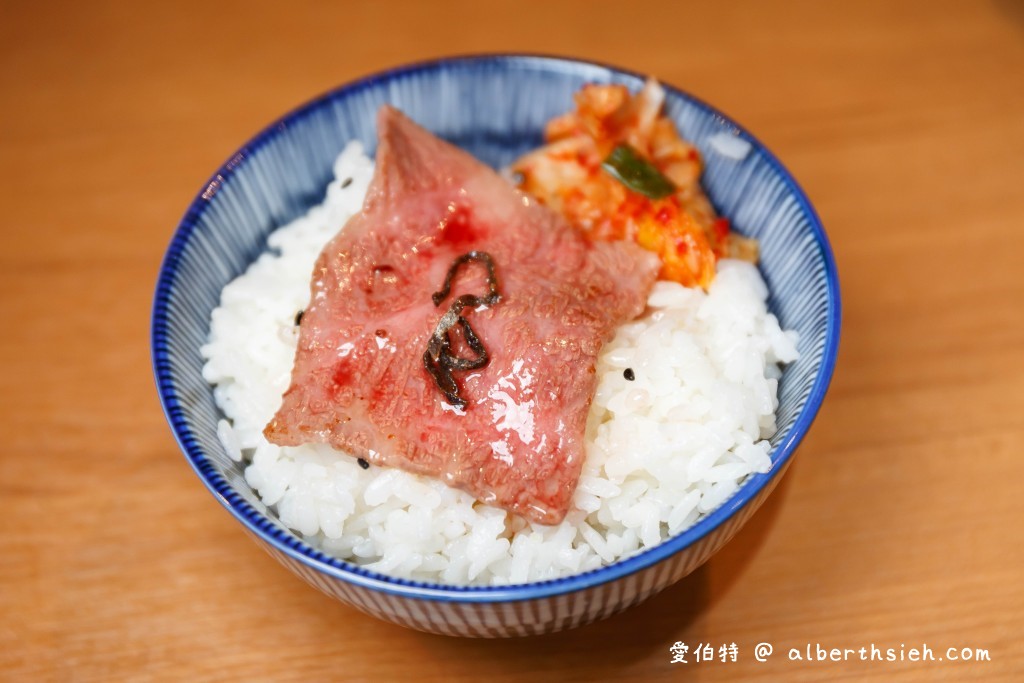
(359, 381)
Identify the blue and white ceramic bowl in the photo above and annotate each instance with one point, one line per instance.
(495, 107)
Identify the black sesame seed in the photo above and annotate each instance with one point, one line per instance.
(365, 465)
(629, 374)
(298, 318)
(346, 182)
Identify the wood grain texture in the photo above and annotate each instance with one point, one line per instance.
(898, 523)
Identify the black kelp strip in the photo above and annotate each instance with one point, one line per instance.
(438, 359)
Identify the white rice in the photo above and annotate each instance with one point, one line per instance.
(662, 450)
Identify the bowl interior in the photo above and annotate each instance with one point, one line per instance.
(495, 107)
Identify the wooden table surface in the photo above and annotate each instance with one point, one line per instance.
(898, 525)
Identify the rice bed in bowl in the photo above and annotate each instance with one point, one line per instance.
(685, 403)
(494, 106)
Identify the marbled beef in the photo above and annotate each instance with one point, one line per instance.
(359, 381)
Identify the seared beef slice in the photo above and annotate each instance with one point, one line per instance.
(359, 382)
